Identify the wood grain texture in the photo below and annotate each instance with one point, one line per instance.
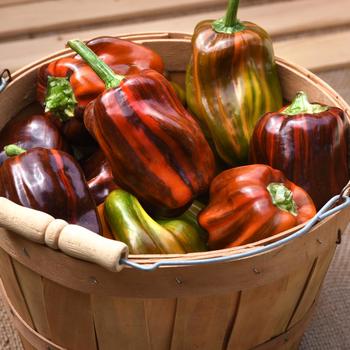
(279, 19)
(319, 52)
(273, 305)
(29, 337)
(160, 314)
(339, 79)
(313, 285)
(32, 289)
(290, 339)
(120, 323)
(203, 323)
(288, 16)
(12, 288)
(69, 316)
(69, 13)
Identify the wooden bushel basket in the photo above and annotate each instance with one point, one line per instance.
(261, 302)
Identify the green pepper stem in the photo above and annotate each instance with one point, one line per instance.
(231, 13)
(106, 74)
(229, 24)
(301, 105)
(282, 197)
(13, 150)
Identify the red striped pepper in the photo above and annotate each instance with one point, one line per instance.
(156, 149)
(250, 203)
(99, 177)
(31, 131)
(51, 181)
(67, 85)
(308, 143)
(124, 57)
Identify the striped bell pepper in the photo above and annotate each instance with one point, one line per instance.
(156, 149)
(65, 86)
(309, 143)
(99, 177)
(51, 181)
(250, 203)
(30, 131)
(231, 82)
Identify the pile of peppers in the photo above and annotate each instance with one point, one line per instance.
(128, 154)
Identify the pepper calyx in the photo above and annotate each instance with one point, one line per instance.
(282, 197)
(60, 99)
(301, 105)
(229, 24)
(13, 150)
(220, 27)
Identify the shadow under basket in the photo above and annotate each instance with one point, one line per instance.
(260, 302)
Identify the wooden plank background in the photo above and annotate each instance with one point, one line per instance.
(311, 33)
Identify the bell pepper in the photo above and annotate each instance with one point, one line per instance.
(51, 181)
(308, 143)
(98, 174)
(156, 149)
(143, 235)
(250, 203)
(231, 81)
(105, 229)
(67, 85)
(30, 131)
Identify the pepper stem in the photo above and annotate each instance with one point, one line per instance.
(282, 197)
(301, 105)
(229, 24)
(13, 150)
(231, 13)
(106, 74)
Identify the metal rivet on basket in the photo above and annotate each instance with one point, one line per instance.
(256, 270)
(178, 281)
(93, 280)
(338, 241)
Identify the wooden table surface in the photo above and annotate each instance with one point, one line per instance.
(311, 33)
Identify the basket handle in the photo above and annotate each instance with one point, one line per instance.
(73, 240)
(334, 205)
(5, 78)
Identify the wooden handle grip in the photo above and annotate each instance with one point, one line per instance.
(28, 223)
(73, 240)
(83, 244)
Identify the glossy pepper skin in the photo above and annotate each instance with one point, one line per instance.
(31, 131)
(244, 207)
(51, 181)
(308, 143)
(156, 149)
(143, 235)
(99, 177)
(123, 56)
(231, 82)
